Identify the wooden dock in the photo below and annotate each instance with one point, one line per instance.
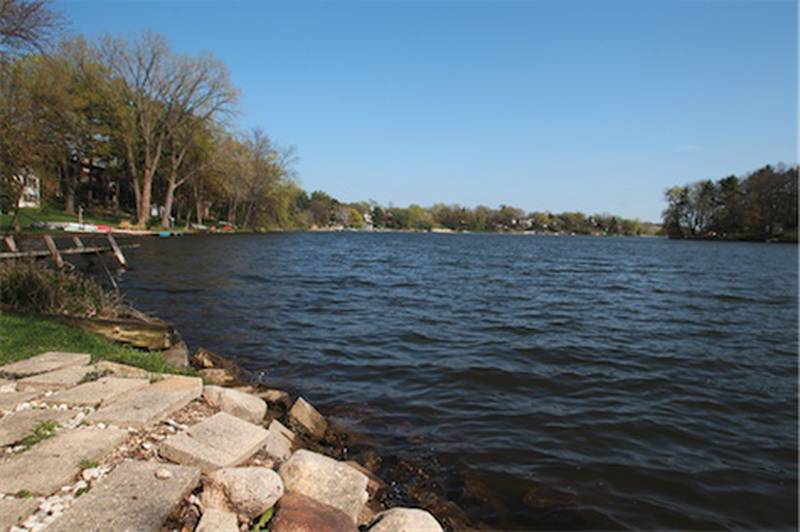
(78, 248)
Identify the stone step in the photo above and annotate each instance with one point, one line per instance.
(54, 462)
(14, 427)
(14, 510)
(101, 391)
(135, 496)
(54, 380)
(10, 400)
(50, 361)
(150, 404)
(219, 441)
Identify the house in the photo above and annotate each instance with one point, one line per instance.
(31, 191)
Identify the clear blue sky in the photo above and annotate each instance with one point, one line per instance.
(547, 105)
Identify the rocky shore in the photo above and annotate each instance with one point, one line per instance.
(107, 446)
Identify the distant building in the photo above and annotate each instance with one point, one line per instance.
(31, 191)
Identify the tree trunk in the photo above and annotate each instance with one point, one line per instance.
(69, 189)
(168, 201)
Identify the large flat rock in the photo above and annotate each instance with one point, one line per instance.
(97, 392)
(14, 510)
(133, 497)
(53, 463)
(150, 404)
(219, 441)
(16, 426)
(10, 400)
(50, 361)
(55, 380)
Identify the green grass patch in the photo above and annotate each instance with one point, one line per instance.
(87, 464)
(42, 431)
(27, 217)
(23, 336)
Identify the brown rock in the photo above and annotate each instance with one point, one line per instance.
(297, 513)
(276, 397)
(177, 356)
(203, 359)
(307, 417)
(216, 376)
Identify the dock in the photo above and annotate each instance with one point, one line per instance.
(110, 246)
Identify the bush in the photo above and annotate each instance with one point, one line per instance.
(34, 288)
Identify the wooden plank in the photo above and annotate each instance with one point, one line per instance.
(117, 251)
(77, 241)
(70, 251)
(51, 245)
(12, 246)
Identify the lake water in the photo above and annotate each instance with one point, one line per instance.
(580, 381)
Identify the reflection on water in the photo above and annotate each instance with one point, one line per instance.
(639, 382)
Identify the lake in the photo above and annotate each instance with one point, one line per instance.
(576, 381)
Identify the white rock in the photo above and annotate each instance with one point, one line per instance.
(163, 474)
(247, 491)
(405, 520)
(236, 403)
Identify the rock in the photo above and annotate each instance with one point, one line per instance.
(121, 370)
(326, 480)
(405, 520)
(217, 521)
(298, 513)
(177, 356)
(130, 498)
(216, 376)
(50, 361)
(103, 390)
(203, 359)
(279, 441)
(219, 441)
(248, 491)
(374, 484)
(163, 474)
(55, 380)
(277, 397)
(306, 416)
(55, 462)
(11, 400)
(236, 403)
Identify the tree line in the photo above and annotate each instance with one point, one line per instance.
(759, 206)
(130, 127)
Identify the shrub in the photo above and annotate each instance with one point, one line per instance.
(31, 287)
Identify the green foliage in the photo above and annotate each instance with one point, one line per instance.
(23, 494)
(262, 522)
(32, 287)
(42, 431)
(760, 206)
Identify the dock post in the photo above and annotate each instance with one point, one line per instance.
(51, 245)
(77, 241)
(117, 251)
(12, 246)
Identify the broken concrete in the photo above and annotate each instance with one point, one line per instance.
(279, 441)
(217, 521)
(55, 380)
(16, 426)
(308, 418)
(93, 393)
(135, 496)
(50, 361)
(236, 403)
(54, 462)
(10, 400)
(150, 404)
(14, 510)
(220, 441)
(326, 480)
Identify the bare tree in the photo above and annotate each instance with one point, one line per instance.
(26, 25)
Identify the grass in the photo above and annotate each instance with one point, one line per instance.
(51, 214)
(23, 336)
(87, 464)
(42, 431)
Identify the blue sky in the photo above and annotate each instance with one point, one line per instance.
(547, 105)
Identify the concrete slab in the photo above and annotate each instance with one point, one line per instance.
(50, 361)
(219, 441)
(150, 404)
(7, 386)
(14, 510)
(16, 426)
(10, 400)
(136, 496)
(214, 520)
(53, 463)
(55, 380)
(279, 442)
(96, 392)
